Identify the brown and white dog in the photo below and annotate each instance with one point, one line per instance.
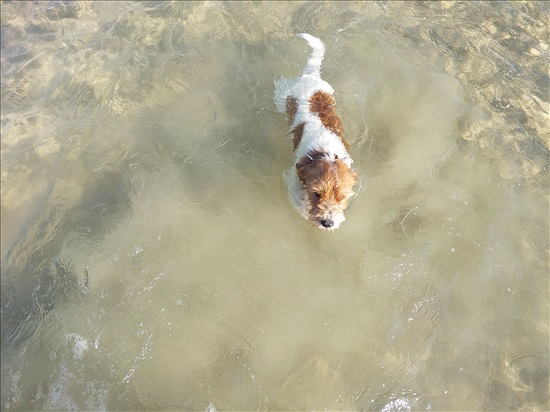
(321, 182)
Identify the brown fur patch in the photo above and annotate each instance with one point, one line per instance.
(291, 108)
(298, 132)
(328, 183)
(324, 106)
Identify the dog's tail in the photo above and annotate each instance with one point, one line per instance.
(313, 66)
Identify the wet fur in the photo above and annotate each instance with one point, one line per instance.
(328, 184)
(321, 183)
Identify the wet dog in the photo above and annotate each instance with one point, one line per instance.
(321, 182)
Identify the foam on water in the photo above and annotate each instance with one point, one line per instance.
(78, 343)
(58, 397)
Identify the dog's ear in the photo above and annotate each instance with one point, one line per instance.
(300, 166)
(301, 169)
(304, 163)
(304, 167)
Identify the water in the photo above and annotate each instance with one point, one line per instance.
(152, 261)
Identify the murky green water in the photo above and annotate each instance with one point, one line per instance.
(152, 261)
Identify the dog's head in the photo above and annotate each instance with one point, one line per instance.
(328, 182)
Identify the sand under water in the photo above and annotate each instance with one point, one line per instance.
(152, 261)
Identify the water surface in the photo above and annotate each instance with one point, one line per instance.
(152, 261)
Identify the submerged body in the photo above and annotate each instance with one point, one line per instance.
(321, 182)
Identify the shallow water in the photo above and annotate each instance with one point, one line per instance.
(152, 261)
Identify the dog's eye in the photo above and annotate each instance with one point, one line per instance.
(317, 195)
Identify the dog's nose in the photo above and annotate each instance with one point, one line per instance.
(328, 223)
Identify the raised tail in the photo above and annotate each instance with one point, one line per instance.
(313, 66)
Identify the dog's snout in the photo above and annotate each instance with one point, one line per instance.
(327, 223)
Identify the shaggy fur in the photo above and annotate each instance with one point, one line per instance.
(321, 182)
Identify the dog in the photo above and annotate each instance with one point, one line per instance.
(320, 183)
